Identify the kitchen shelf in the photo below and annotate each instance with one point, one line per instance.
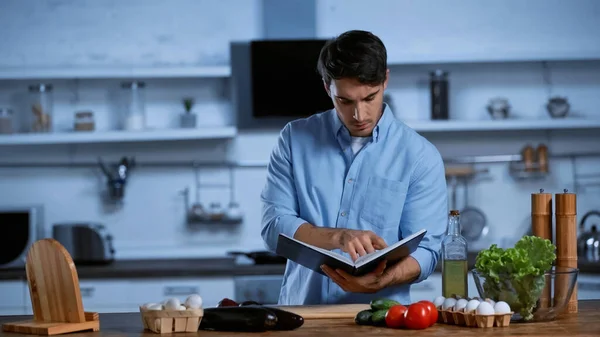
(20, 73)
(81, 137)
(504, 125)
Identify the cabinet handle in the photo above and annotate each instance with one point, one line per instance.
(87, 291)
(181, 291)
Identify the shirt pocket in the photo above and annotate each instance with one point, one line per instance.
(383, 202)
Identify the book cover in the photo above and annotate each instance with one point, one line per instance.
(313, 257)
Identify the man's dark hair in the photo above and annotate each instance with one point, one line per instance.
(354, 54)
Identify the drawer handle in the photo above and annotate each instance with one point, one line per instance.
(180, 291)
(423, 286)
(588, 286)
(87, 291)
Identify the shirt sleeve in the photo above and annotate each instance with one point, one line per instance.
(279, 198)
(426, 206)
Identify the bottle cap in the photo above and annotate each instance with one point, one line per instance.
(454, 212)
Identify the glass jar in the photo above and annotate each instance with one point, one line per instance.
(6, 121)
(41, 101)
(134, 116)
(84, 121)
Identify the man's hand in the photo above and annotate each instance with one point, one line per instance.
(404, 271)
(369, 283)
(358, 242)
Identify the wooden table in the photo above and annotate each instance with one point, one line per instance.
(585, 323)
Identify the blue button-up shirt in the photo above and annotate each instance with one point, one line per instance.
(394, 186)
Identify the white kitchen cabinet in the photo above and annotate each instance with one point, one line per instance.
(211, 289)
(12, 294)
(432, 287)
(126, 295)
(99, 294)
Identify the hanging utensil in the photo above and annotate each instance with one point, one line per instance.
(473, 221)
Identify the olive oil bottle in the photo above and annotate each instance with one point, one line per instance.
(454, 259)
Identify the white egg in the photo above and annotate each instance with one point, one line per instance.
(193, 301)
(155, 306)
(490, 301)
(182, 307)
(485, 308)
(449, 303)
(472, 306)
(502, 307)
(172, 304)
(145, 306)
(460, 305)
(438, 301)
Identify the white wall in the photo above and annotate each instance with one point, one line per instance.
(96, 33)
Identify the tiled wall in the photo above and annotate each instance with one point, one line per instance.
(151, 222)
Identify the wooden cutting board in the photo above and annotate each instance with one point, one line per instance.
(325, 310)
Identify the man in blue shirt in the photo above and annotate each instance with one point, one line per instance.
(353, 180)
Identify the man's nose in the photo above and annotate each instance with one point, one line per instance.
(358, 113)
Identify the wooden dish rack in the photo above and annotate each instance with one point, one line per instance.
(55, 294)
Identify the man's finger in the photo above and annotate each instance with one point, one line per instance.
(360, 249)
(379, 242)
(352, 251)
(335, 277)
(367, 245)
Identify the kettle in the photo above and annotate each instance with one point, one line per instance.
(588, 243)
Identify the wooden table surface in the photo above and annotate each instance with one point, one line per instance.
(585, 323)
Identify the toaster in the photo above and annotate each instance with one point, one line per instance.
(88, 243)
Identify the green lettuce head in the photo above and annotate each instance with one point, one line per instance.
(516, 275)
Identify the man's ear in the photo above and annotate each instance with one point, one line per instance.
(387, 77)
(326, 88)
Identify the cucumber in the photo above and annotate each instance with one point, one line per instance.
(364, 317)
(378, 317)
(382, 304)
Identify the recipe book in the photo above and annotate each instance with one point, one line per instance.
(313, 257)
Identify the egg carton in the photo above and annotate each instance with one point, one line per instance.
(169, 321)
(473, 320)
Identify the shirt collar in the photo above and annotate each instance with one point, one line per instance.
(380, 129)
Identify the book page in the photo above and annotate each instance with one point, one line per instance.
(372, 256)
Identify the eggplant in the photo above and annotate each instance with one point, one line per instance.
(285, 320)
(246, 319)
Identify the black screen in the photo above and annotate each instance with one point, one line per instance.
(16, 235)
(285, 80)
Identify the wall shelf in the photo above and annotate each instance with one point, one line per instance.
(118, 136)
(504, 125)
(25, 73)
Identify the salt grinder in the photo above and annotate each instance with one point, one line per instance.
(541, 222)
(566, 246)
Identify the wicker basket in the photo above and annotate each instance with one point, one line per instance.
(168, 321)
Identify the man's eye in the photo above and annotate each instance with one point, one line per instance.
(370, 99)
(345, 102)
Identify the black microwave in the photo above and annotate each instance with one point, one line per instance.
(276, 81)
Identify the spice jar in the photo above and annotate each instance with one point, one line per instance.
(6, 121)
(41, 107)
(84, 121)
(135, 110)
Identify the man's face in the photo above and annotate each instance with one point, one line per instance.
(359, 106)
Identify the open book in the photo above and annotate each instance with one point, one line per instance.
(313, 257)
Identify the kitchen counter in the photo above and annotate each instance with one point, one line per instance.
(226, 266)
(152, 268)
(585, 323)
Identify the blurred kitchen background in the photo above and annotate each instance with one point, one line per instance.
(130, 129)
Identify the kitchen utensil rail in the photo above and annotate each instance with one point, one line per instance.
(261, 164)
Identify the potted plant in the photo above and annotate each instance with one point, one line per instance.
(188, 119)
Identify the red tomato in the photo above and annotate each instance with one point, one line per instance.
(432, 311)
(394, 318)
(417, 316)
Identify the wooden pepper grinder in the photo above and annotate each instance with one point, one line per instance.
(566, 246)
(541, 222)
